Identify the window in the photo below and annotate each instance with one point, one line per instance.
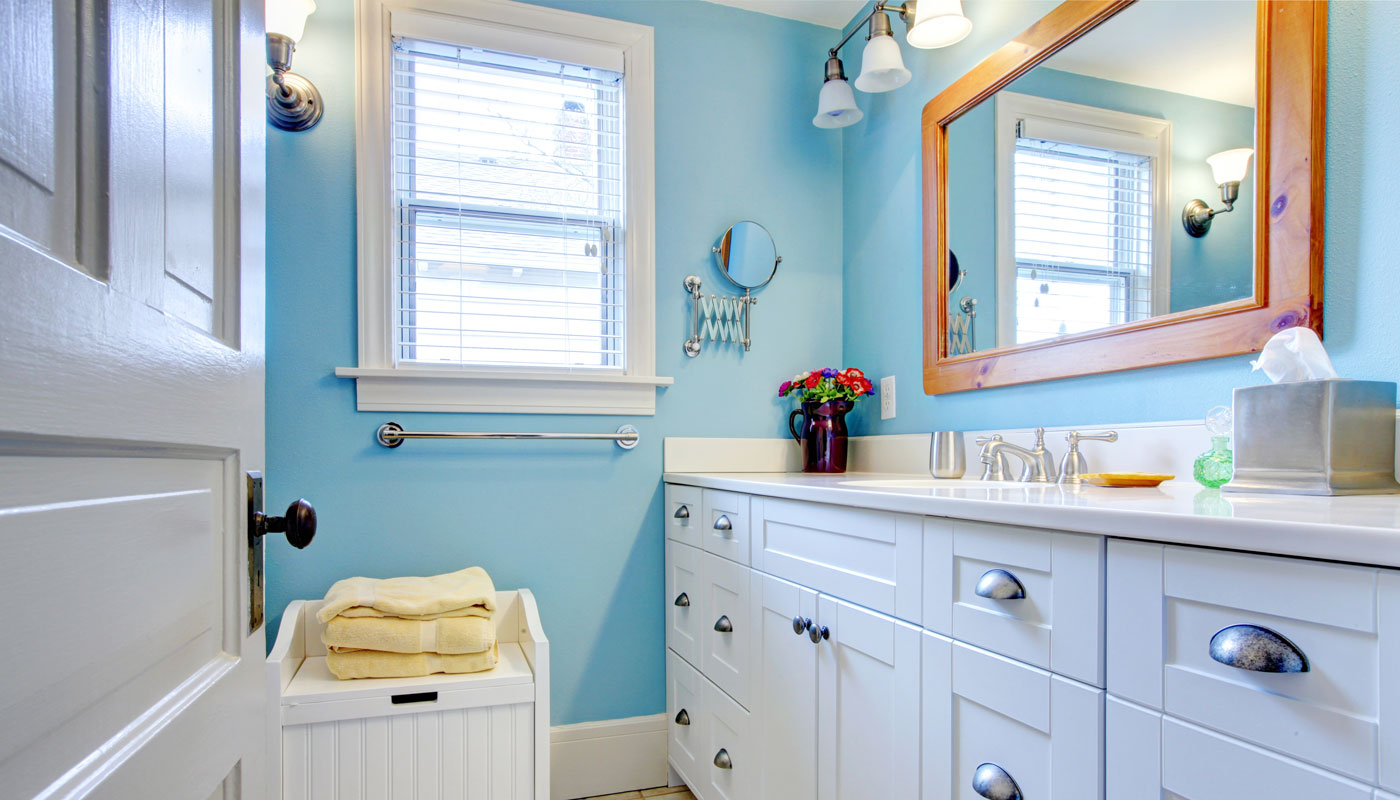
(1083, 191)
(505, 210)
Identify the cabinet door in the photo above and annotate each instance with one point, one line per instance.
(685, 596)
(867, 704)
(728, 761)
(684, 514)
(985, 714)
(785, 690)
(727, 627)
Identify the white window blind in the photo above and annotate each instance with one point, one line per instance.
(508, 186)
(1083, 219)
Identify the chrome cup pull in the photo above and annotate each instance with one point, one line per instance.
(998, 584)
(723, 625)
(682, 717)
(817, 634)
(1257, 650)
(800, 624)
(682, 513)
(683, 600)
(994, 783)
(722, 759)
(723, 523)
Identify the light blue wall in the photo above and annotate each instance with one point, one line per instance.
(1212, 269)
(883, 307)
(579, 523)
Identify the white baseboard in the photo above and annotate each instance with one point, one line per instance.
(615, 755)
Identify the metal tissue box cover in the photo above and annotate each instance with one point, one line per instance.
(1325, 437)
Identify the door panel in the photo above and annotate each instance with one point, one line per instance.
(785, 695)
(868, 712)
(125, 429)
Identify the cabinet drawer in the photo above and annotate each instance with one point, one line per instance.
(725, 629)
(685, 594)
(685, 711)
(870, 558)
(1151, 756)
(727, 762)
(1031, 594)
(724, 529)
(683, 514)
(1167, 604)
(1042, 730)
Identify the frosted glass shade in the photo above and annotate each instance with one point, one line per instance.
(288, 17)
(882, 66)
(1230, 165)
(938, 23)
(836, 108)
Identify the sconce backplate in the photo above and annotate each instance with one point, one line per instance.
(295, 105)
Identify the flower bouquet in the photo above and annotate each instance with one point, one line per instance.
(827, 395)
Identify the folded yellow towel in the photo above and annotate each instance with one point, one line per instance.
(449, 636)
(374, 664)
(399, 597)
(469, 611)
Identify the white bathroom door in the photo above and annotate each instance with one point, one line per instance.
(131, 397)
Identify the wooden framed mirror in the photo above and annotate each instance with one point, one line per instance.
(1076, 155)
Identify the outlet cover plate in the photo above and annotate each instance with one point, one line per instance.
(887, 397)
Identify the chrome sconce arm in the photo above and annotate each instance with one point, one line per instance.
(293, 102)
(1197, 216)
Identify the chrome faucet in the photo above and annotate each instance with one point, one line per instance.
(1039, 464)
(1073, 467)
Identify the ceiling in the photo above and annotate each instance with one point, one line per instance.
(831, 13)
(1192, 47)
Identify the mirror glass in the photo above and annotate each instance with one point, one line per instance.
(1066, 189)
(747, 255)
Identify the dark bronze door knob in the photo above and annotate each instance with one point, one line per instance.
(299, 524)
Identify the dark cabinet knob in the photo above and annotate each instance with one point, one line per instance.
(299, 524)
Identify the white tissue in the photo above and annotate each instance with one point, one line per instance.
(1295, 354)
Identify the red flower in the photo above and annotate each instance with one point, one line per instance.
(812, 381)
(862, 386)
(855, 373)
(843, 380)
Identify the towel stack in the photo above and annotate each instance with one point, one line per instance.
(410, 627)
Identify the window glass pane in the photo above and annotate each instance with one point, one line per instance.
(508, 182)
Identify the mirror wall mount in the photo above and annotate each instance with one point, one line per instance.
(1288, 216)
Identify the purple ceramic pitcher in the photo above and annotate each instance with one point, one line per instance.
(822, 434)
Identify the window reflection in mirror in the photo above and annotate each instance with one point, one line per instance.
(1066, 189)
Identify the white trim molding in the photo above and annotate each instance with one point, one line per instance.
(381, 385)
(615, 755)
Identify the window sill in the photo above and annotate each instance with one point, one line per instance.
(463, 391)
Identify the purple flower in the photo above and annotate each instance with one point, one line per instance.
(872, 390)
(828, 373)
(782, 390)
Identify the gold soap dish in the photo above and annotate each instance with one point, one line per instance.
(1125, 479)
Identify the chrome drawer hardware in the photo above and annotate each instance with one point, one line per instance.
(1256, 649)
(683, 600)
(722, 759)
(723, 524)
(998, 584)
(800, 624)
(682, 717)
(723, 625)
(682, 513)
(993, 783)
(818, 633)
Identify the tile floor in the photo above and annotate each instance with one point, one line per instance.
(667, 792)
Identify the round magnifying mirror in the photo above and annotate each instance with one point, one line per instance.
(747, 255)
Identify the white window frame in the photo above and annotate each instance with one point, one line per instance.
(1101, 127)
(381, 385)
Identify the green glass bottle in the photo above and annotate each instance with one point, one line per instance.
(1216, 466)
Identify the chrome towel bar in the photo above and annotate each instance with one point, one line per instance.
(391, 434)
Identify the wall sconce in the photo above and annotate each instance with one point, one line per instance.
(1229, 168)
(293, 102)
(930, 23)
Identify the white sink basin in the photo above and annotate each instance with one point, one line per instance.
(938, 483)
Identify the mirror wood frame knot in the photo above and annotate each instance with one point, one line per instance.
(1291, 82)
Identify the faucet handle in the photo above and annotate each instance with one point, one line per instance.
(1075, 437)
(984, 440)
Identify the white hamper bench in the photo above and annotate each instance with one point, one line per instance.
(481, 736)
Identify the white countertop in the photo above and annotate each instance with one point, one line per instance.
(1360, 529)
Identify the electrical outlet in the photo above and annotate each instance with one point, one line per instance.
(887, 397)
